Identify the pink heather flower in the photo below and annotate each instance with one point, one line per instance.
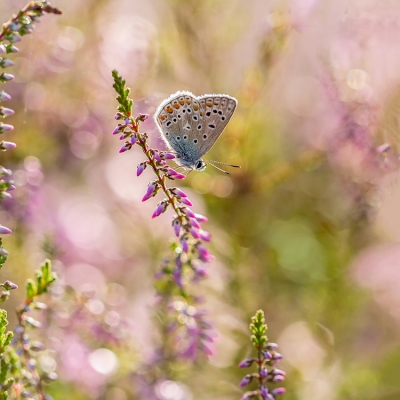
(7, 145)
(161, 207)
(204, 235)
(278, 378)
(184, 243)
(125, 147)
(264, 392)
(151, 190)
(194, 223)
(172, 174)
(204, 254)
(246, 380)
(194, 232)
(117, 129)
(4, 230)
(246, 363)
(140, 168)
(167, 156)
(133, 139)
(277, 371)
(177, 192)
(278, 391)
(189, 212)
(5, 112)
(177, 226)
(5, 127)
(200, 218)
(4, 96)
(186, 201)
(264, 372)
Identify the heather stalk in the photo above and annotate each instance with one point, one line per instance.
(183, 322)
(267, 357)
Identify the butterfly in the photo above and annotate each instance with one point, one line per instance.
(190, 125)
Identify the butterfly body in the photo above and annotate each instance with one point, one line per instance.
(190, 125)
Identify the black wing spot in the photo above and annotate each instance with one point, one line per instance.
(199, 127)
(166, 133)
(179, 116)
(174, 120)
(184, 111)
(169, 123)
(211, 126)
(178, 138)
(195, 140)
(185, 137)
(215, 111)
(194, 118)
(223, 118)
(204, 136)
(220, 112)
(189, 110)
(208, 113)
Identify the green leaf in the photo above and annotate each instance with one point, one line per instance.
(31, 289)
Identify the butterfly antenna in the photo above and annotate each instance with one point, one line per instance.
(228, 165)
(219, 169)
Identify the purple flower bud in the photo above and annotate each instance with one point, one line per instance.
(152, 189)
(37, 346)
(204, 235)
(5, 62)
(276, 371)
(177, 226)
(133, 139)
(186, 201)
(246, 363)
(140, 168)
(194, 232)
(5, 195)
(127, 121)
(204, 254)
(14, 38)
(189, 213)
(199, 271)
(13, 49)
(142, 117)
(5, 112)
(184, 243)
(11, 187)
(172, 174)
(6, 77)
(117, 129)
(278, 378)
(119, 115)
(32, 364)
(3, 252)
(161, 207)
(246, 380)
(249, 395)
(264, 372)
(177, 192)
(177, 275)
(271, 346)
(278, 391)
(4, 230)
(269, 397)
(264, 392)
(125, 147)
(8, 285)
(193, 222)
(167, 156)
(267, 354)
(3, 95)
(2, 49)
(7, 145)
(32, 322)
(277, 356)
(201, 218)
(156, 155)
(5, 127)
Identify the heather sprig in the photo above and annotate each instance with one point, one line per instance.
(27, 380)
(185, 321)
(266, 359)
(19, 25)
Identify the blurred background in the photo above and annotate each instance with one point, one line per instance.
(307, 229)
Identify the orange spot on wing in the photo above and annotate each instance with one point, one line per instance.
(209, 103)
(188, 101)
(201, 113)
(195, 107)
(163, 117)
(169, 109)
(182, 102)
(176, 105)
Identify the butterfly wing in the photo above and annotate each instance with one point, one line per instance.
(218, 110)
(178, 118)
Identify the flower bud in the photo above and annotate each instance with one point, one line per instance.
(4, 96)
(6, 77)
(152, 189)
(186, 201)
(140, 168)
(5, 62)
(177, 226)
(5, 112)
(161, 207)
(167, 156)
(4, 230)
(246, 363)
(5, 127)
(8, 285)
(125, 147)
(278, 391)
(246, 380)
(7, 145)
